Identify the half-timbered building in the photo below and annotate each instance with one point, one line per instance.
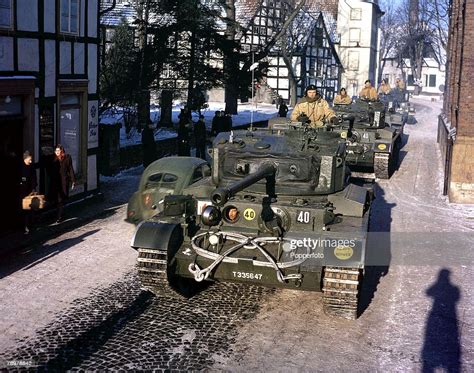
(49, 86)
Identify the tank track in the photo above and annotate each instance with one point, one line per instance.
(383, 165)
(341, 288)
(152, 271)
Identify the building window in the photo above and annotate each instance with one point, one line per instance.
(70, 128)
(6, 18)
(354, 35)
(432, 82)
(353, 61)
(356, 14)
(70, 16)
(410, 80)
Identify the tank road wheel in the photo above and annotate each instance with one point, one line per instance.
(341, 288)
(156, 269)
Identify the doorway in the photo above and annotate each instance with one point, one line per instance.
(11, 156)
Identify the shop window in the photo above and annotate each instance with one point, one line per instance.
(6, 16)
(70, 128)
(70, 16)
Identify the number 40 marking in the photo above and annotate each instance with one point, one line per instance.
(303, 217)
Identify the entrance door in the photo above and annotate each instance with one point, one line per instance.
(11, 156)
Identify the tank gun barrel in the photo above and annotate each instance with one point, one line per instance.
(221, 195)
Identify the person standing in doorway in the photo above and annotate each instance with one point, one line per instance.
(28, 184)
(62, 179)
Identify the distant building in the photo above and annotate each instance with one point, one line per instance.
(49, 84)
(456, 127)
(357, 25)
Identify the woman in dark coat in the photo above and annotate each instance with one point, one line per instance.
(62, 178)
(28, 184)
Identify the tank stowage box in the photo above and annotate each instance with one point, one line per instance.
(276, 211)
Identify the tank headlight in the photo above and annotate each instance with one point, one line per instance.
(211, 216)
(213, 239)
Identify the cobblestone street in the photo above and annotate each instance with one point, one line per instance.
(74, 302)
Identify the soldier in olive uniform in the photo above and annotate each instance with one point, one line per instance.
(315, 108)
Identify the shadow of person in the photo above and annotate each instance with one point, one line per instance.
(378, 255)
(441, 348)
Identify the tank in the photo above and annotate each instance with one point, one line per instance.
(276, 211)
(374, 139)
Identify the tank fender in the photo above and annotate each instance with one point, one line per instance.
(153, 235)
(382, 146)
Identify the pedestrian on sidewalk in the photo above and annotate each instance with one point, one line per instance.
(62, 179)
(149, 145)
(283, 110)
(183, 137)
(216, 123)
(28, 184)
(200, 137)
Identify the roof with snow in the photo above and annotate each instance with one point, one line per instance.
(123, 10)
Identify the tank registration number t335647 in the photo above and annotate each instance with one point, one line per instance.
(247, 275)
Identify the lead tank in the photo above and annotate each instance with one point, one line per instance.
(374, 140)
(277, 211)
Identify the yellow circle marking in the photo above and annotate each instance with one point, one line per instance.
(382, 146)
(344, 135)
(343, 252)
(249, 214)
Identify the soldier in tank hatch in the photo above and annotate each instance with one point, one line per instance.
(315, 108)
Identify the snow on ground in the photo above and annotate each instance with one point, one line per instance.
(246, 111)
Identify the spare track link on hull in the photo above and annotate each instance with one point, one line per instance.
(382, 165)
(152, 271)
(341, 288)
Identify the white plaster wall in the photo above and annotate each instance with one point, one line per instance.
(82, 18)
(49, 16)
(28, 54)
(6, 53)
(92, 18)
(79, 58)
(64, 57)
(50, 68)
(92, 172)
(27, 15)
(92, 68)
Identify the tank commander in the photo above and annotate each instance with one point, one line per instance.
(384, 88)
(342, 98)
(315, 108)
(400, 84)
(368, 92)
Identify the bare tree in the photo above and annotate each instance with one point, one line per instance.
(390, 31)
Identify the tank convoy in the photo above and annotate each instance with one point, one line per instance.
(373, 137)
(276, 211)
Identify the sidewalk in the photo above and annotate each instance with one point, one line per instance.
(115, 191)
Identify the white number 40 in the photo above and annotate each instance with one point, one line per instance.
(303, 217)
